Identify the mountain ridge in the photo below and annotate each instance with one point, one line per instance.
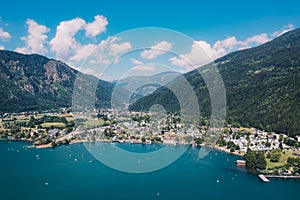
(262, 86)
(34, 83)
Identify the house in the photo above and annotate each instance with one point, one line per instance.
(53, 133)
(34, 133)
(115, 139)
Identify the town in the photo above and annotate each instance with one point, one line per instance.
(51, 129)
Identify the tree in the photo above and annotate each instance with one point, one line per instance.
(53, 144)
(250, 158)
(275, 156)
(226, 131)
(261, 162)
(268, 144)
(281, 146)
(255, 159)
(221, 142)
(198, 141)
(230, 144)
(280, 138)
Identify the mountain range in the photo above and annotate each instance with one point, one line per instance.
(36, 83)
(262, 87)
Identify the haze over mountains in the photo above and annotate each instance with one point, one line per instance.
(262, 86)
(140, 86)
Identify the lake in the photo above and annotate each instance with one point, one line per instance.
(71, 172)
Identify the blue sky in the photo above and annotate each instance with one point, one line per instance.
(223, 25)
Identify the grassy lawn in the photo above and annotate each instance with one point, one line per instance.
(22, 117)
(283, 160)
(246, 129)
(55, 124)
(94, 122)
(69, 119)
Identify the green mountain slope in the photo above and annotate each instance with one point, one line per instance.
(34, 82)
(262, 86)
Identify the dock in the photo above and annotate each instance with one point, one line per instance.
(281, 176)
(263, 178)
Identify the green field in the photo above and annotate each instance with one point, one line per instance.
(282, 162)
(94, 122)
(55, 124)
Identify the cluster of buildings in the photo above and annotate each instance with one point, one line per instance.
(139, 127)
(136, 127)
(257, 140)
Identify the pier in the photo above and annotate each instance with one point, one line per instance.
(263, 178)
(280, 176)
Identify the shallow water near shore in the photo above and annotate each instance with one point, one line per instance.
(71, 172)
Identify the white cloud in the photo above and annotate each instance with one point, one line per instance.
(136, 62)
(1, 47)
(228, 43)
(36, 39)
(87, 71)
(220, 48)
(258, 39)
(109, 50)
(283, 30)
(83, 52)
(232, 44)
(252, 41)
(144, 68)
(64, 44)
(203, 53)
(4, 35)
(116, 49)
(96, 27)
(157, 50)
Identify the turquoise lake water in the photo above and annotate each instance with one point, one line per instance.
(71, 172)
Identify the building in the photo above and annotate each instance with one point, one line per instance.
(53, 133)
(241, 163)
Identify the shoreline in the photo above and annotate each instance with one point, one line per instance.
(221, 149)
(225, 150)
(44, 146)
